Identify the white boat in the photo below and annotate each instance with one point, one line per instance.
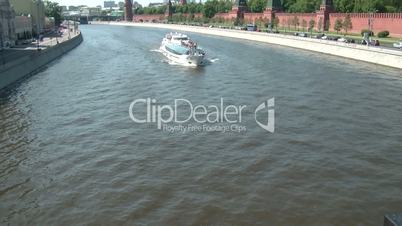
(398, 45)
(180, 49)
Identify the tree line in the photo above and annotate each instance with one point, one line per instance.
(344, 6)
(211, 7)
(208, 9)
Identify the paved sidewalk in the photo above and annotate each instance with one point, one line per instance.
(11, 54)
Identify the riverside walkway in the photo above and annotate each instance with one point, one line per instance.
(11, 54)
(23, 60)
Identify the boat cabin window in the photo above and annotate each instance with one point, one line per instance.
(181, 38)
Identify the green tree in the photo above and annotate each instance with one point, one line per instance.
(347, 24)
(305, 6)
(344, 6)
(296, 22)
(256, 6)
(320, 24)
(289, 23)
(209, 9)
(338, 25)
(52, 9)
(304, 24)
(311, 25)
(275, 22)
(139, 10)
(238, 22)
(327, 25)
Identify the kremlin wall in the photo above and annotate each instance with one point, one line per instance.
(391, 22)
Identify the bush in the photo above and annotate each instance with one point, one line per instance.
(367, 31)
(383, 34)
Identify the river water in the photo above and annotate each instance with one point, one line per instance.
(71, 155)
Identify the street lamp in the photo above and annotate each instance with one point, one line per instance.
(1, 37)
(38, 26)
(371, 20)
(68, 27)
(1, 43)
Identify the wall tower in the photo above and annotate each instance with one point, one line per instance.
(272, 7)
(326, 8)
(128, 13)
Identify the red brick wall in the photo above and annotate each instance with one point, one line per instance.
(156, 17)
(285, 17)
(226, 16)
(391, 22)
(148, 17)
(196, 15)
(252, 17)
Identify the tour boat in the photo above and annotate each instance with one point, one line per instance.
(180, 49)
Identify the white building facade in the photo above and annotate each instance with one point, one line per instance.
(7, 26)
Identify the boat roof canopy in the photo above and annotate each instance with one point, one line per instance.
(178, 36)
(177, 49)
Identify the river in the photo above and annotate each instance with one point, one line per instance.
(71, 155)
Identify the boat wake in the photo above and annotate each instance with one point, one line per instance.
(214, 60)
(156, 50)
(204, 63)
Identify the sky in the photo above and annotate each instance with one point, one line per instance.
(94, 3)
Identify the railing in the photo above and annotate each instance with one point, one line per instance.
(367, 15)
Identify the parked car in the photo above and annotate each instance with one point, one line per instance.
(398, 45)
(304, 35)
(319, 36)
(324, 37)
(272, 31)
(251, 27)
(342, 40)
(335, 38)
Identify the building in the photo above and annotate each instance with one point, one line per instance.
(117, 13)
(157, 4)
(73, 8)
(90, 11)
(35, 9)
(109, 4)
(49, 23)
(7, 26)
(23, 27)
